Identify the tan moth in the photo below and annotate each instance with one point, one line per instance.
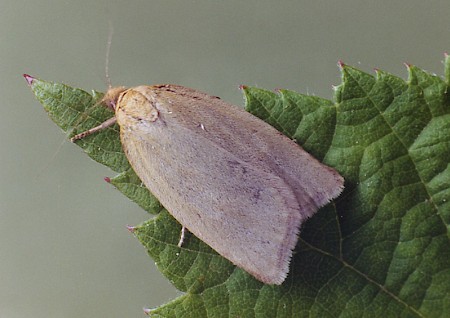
(228, 177)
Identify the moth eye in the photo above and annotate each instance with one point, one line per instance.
(110, 104)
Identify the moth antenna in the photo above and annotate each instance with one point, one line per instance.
(182, 235)
(105, 124)
(108, 50)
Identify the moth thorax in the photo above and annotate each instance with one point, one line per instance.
(135, 107)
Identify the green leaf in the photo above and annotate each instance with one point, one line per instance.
(380, 250)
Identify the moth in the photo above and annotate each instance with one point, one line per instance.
(228, 177)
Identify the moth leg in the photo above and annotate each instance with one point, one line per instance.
(102, 126)
(182, 235)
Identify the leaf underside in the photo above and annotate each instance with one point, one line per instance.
(380, 250)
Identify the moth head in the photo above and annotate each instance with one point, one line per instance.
(111, 96)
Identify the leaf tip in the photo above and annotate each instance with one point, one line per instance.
(446, 57)
(341, 64)
(378, 72)
(107, 179)
(29, 79)
(131, 228)
(147, 311)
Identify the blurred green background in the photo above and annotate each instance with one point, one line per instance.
(64, 247)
